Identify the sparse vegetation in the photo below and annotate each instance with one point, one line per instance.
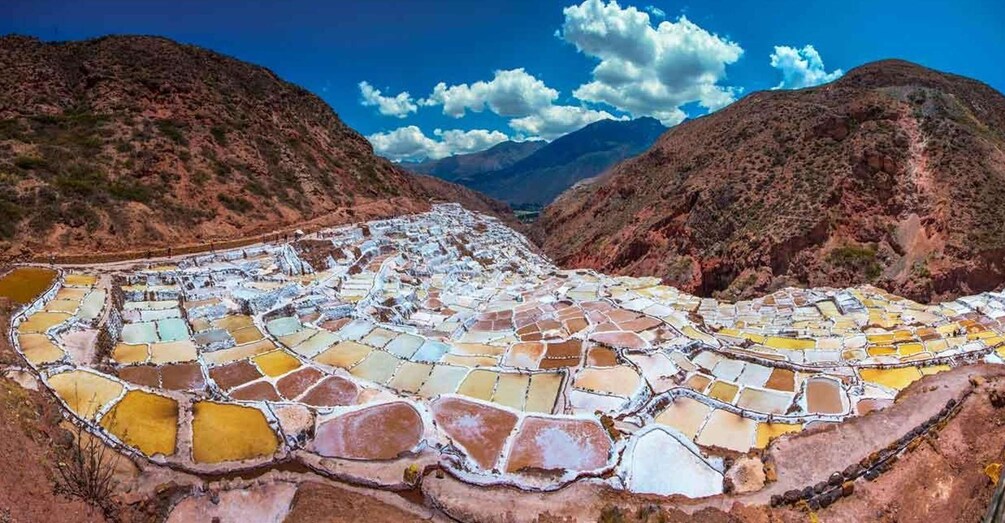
(237, 204)
(173, 130)
(860, 259)
(86, 471)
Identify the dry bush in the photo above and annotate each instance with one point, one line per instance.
(86, 471)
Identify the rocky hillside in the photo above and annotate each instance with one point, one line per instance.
(893, 175)
(499, 156)
(130, 142)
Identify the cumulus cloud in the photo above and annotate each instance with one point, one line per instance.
(801, 67)
(411, 144)
(646, 70)
(558, 120)
(512, 93)
(400, 105)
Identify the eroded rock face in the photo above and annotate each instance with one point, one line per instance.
(480, 429)
(559, 445)
(380, 432)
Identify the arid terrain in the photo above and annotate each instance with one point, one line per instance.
(129, 143)
(890, 175)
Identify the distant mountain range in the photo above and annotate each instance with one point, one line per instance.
(891, 175)
(534, 173)
(499, 156)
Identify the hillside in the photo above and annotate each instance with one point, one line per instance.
(543, 175)
(891, 175)
(497, 157)
(131, 142)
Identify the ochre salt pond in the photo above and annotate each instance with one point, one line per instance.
(222, 432)
(146, 421)
(898, 378)
(24, 284)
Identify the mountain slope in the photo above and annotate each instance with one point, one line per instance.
(133, 142)
(893, 175)
(497, 157)
(540, 177)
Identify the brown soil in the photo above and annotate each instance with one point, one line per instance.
(943, 478)
(318, 502)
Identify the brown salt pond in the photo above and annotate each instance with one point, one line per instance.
(551, 444)
(24, 284)
(479, 429)
(146, 421)
(823, 396)
(222, 432)
(380, 432)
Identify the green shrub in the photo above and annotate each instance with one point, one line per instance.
(29, 162)
(237, 204)
(173, 131)
(130, 191)
(219, 134)
(860, 259)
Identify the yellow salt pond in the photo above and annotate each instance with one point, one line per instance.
(344, 354)
(686, 415)
(241, 352)
(276, 363)
(173, 352)
(620, 381)
(479, 384)
(727, 430)
(543, 392)
(39, 349)
(125, 353)
(42, 321)
(24, 284)
(778, 342)
(222, 432)
(769, 431)
(80, 280)
(146, 421)
(410, 376)
(85, 392)
(897, 379)
(511, 390)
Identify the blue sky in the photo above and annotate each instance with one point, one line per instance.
(534, 68)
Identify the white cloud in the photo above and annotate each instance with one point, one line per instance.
(656, 11)
(400, 105)
(514, 93)
(801, 67)
(411, 144)
(557, 120)
(646, 70)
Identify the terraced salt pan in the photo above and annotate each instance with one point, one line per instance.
(660, 463)
(432, 327)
